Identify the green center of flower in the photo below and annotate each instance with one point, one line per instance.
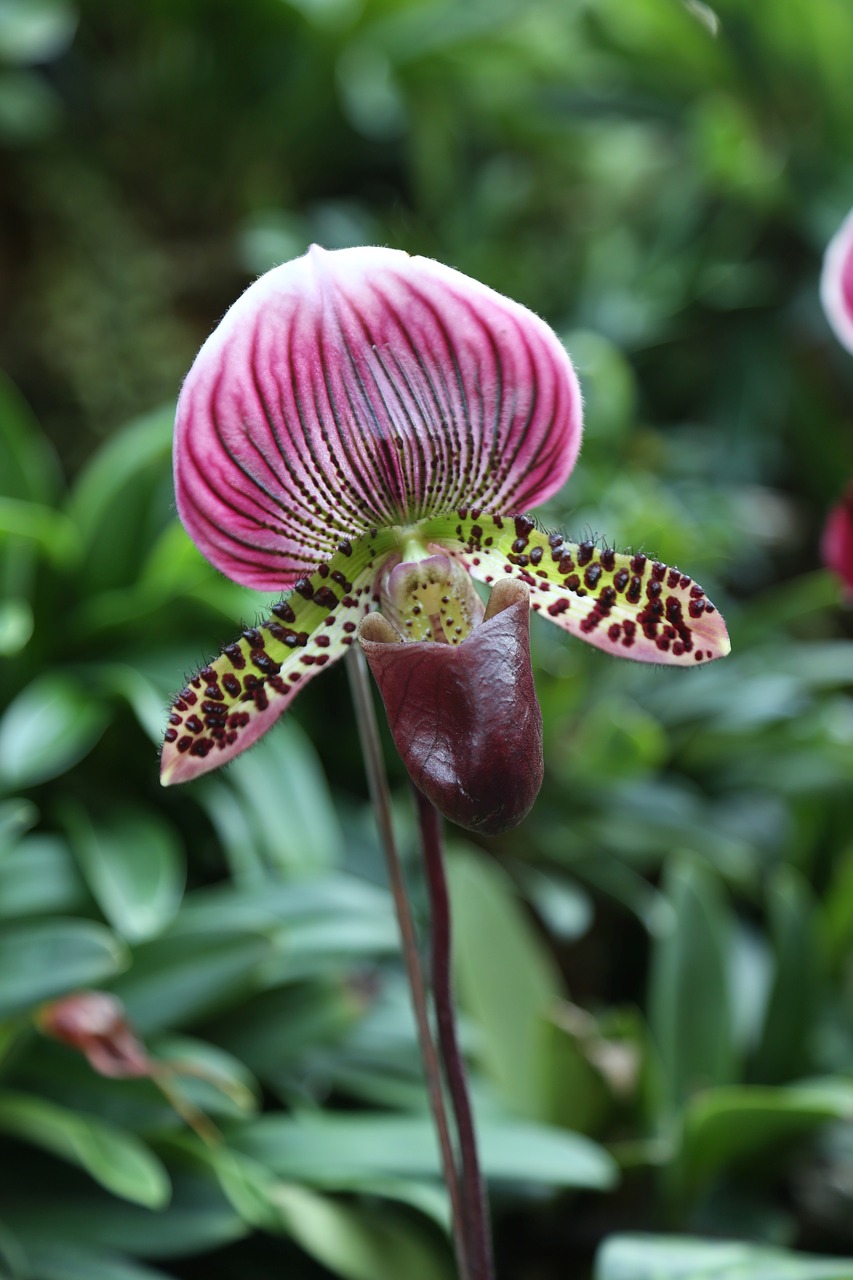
(428, 595)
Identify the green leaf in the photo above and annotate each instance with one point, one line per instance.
(118, 1160)
(49, 957)
(317, 925)
(837, 922)
(338, 1151)
(16, 816)
(178, 979)
(631, 1257)
(142, 695)
(783, 1053)
(38, 877)
(16, 625)
(512, 993)
(287, 804)
(689, 999)
(51, 1262)
(358, 1242)
(213, 1080)
(732, 1124)
(28, 467)
(134, 866)
(51, 531)
(82, 1216)
(274, 1031)
(123, 499)
(46, 729)
(274, 902)
(35, 30)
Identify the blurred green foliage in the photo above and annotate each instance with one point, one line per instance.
(655, 971)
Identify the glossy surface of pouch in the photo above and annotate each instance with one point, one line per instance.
(465, 718)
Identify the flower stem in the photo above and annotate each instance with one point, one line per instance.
(378, 786)
(475, 1202)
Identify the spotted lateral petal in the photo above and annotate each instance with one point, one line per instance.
(836, 285)
(231, 702)
(361, 388)
(629, 606)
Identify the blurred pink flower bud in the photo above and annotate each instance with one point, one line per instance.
(836, 285)
(837, 542)
(94, 1023)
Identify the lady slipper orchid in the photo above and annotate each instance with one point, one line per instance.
(368, 430)
(836, 284)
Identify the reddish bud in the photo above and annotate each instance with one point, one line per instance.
(94, 1023)
(465, 718)
(837, 542)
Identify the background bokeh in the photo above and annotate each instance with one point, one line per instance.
(654, 971)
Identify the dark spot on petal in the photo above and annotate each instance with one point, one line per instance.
(265, 663)
(234, 654)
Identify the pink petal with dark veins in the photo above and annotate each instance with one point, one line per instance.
(360, 388)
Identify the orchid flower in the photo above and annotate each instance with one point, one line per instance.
(369, 430)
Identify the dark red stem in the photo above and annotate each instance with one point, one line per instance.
(379, 794)
(475, 1204)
